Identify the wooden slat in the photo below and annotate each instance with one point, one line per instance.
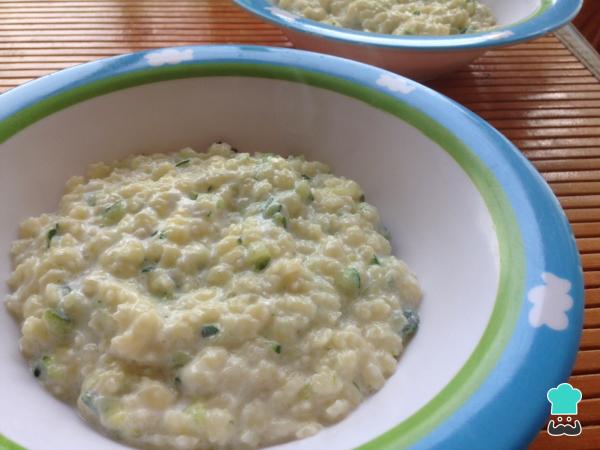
(529, 105)
(588, 384)
(591, 318)
(592, 297)
(583, 230)
(562, 153)
(567, 165)
(584, 215)
(591, 278)
(588, 361)
(527, 60)
(492, 84)
(586, 188)
(481, 66)
(590, 261)
(544, 133)
(540, 113)
(590, 340)
(550, 123)
(588, 245)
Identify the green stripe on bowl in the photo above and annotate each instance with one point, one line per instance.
(512, 261)
(7, 444)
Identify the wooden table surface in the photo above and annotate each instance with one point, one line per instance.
(538, 94)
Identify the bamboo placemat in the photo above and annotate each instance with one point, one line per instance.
(539, 95)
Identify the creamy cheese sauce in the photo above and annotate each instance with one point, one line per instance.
(211, 300)
(400, 17)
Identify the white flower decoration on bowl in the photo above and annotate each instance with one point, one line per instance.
(395, 84)
(169, 56)
(551, 302)
(282, 14)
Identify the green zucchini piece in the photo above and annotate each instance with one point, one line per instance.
(348, 281)
(51, 233)
(259, 257)
(58, 323)
(114, 213)
(412, 323)
(209, 331)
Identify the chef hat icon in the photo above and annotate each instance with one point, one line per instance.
(564, 399)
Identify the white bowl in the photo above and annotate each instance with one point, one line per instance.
(422, 57)
(491, 247)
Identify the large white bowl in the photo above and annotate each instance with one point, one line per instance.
(491, 247)
(422, 57)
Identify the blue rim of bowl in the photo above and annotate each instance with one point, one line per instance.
(511, 392)
(551, 15)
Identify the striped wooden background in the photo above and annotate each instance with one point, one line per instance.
(538, 94)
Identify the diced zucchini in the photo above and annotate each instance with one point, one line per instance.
(197, 412)
(375, 261)
(182, 163)
(54, 370)
(51, 233)
(259, 257)
(58, 323)
(180, 359)
(88, 399)
(47, 367)
(412, 323)
(209, 331)
(148, 268)
(114, 213)
(91, 200)
(348, 281)
(277, 348)
(274, 210)
(100, 404)
(160, 234)
(271, 208)
(177, 381)
(280, 219)
(304, 191)
(306, 392)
